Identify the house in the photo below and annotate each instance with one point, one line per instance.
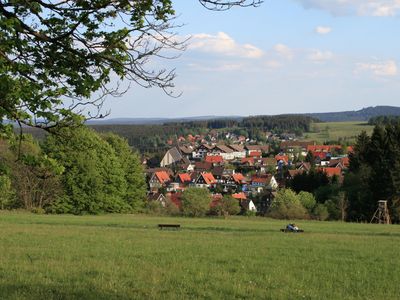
(255, 154)
(158, 180)
(238, 178)
(205, 180)
(226, 152)
(282, 160)
(173, 156)
(175, 198)
(218, 173)
(248, 205)
(295, 147)
(202, 151)
(186, 151)
(238, 151)
(157, 197)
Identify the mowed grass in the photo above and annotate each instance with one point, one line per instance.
(333, 131)
(127, 257)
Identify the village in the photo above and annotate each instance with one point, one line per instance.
(241, 168)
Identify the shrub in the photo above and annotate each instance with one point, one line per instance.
(287, 205)
(195, 202)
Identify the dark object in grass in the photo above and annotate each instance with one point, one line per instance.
(288, 230)
(169, 226)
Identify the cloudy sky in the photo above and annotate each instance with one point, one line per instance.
(286, 56)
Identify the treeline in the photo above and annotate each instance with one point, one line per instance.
(278, 123)
(153, 138)
(73, 171)
(384, 120)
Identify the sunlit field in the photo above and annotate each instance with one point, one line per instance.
(128, 257)
(333, 131)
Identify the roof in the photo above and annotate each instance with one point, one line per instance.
(283, 158)
(330, 172)
(184, 177)
(218, 171)
(238, 177)
(202, 165)
(239, 196)
(186, 149)
(162, 176)
(249, 160)
(255, 154)
(224, 148)
(268, 161)
(176, 155)
(214, 159)
(237, 148)
(209, 147)
(253, 147)
(256, 179)
(208, 178)
(293, 173)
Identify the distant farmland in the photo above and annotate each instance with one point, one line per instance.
(127, 257)
(333, 131)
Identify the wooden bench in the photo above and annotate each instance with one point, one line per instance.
(169, 226)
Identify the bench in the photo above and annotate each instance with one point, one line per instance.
(169, 226)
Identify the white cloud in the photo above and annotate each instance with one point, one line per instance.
(284, 51)
(223, 44)
(220, 67)
(379, 8)
(323, 30)
(386, 68)
(319, 56)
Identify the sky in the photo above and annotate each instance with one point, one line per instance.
(285, 56)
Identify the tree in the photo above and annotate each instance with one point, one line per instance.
(94, 180)
(307, 200)
(287, 205)
(196, 202)
(56, 55)
(133, 171)
(227, 206)
(7, 193)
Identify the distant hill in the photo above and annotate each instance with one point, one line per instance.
(158, 121)
(357, 115)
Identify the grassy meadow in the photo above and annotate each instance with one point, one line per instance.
(332, 131)
(127, 257)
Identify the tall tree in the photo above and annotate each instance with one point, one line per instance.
(55, 55)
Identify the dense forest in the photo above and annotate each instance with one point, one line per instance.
(384, 120)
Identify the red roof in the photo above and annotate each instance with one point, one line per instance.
(331, 171)
(283, 158)
(345, 161)
(184, 177)
(321, 155)
(162, 176)
(255, 154)
(257, 179)
(214, 159)
(238, 177)
(350, 149)
(208, 178)
(249, 160)
(239, 196)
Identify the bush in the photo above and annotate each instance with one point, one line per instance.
(195, 202)
(287, 205)
(307, 200)
(227, 206)
(321, 212)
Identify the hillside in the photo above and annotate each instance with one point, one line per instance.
(357, 115)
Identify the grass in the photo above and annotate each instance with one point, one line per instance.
(333, 131)
(127, 257)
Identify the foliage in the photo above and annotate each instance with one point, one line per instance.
(7, 193)
(103, 178)
(287, 205)
(307, 200)
(195, 202)
(374, 171)
(227, 206)
(321, 212)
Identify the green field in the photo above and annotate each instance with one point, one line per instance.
(127, 257)
(333, 131)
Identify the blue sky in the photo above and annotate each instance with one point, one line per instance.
(286, 56)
